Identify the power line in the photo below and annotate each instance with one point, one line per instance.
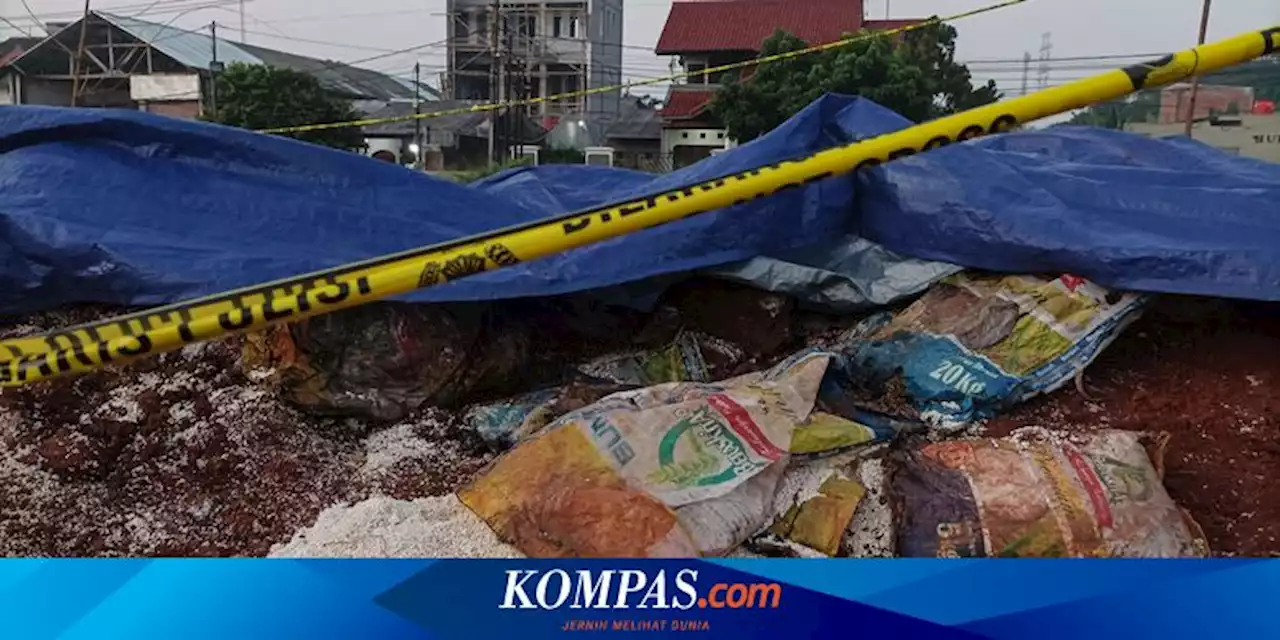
(41, 18)
(328, 43)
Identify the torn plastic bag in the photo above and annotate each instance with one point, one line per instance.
(385, 360)
(974, 344)
(1039, 494)
(662, 471)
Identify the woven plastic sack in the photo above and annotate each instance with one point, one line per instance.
(975, 344)
(677, 469)
(1037, 494)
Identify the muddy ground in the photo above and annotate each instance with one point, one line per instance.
(187, 455)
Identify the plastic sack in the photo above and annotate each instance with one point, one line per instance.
(1037, 494)
(975, 344)
(691, 357)
(385, 360)
(504, 423)
(678, 469)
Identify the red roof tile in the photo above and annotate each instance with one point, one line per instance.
(743, 25)
(885, 25)
(686, 103)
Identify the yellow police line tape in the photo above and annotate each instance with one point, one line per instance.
(91, 346)
(496, 106)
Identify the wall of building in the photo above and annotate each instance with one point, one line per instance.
(565, 46)
(186, 109)
(45, 92)
(1255, 137)
(605, 33)
(645, 155)
(1175, 101)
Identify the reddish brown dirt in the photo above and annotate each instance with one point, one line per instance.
(1208, 373)
(184, 455)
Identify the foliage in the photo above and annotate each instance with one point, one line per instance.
(469, 176)
(253, 96)
(917, 77)
(561, 156)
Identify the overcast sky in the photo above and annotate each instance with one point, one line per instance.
(353, 31)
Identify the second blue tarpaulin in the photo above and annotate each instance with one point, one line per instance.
(128, 208)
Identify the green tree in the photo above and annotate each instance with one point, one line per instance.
(253, 96)
(917, 77)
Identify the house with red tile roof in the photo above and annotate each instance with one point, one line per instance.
(709, 33)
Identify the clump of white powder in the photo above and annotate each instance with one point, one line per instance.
(383, 527)
(870, 534)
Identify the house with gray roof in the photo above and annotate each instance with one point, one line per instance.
(131, 63)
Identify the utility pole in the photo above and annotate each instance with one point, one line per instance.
(75, 64)
(213, 70)
(417, 116)
(242, 33)
(1046, 49)
(1026, 71)
(1195, 80)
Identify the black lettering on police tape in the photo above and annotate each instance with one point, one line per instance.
(898, 154)
(630, 210)
(244, 322)
(144, 346)
(182, 320)
(579, 225)
(937, 143)
(33, 361)
(104, 352)
(1270, 40)
(73, 342)
(430, 275)
(1139, 73)
(344, 292)
(501, 255)
(1004, 123)
(462, 266)
(270, 313)
(970, 132)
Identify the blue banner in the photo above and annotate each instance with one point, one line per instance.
(538, 599)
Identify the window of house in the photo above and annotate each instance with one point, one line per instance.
(557, 27)
(482, 25)
(528, 26)
(697, 72)
(462, 27)
(575, 27)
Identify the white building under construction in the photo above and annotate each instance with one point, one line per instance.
(503, 50)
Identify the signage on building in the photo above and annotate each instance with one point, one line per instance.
(166, 87)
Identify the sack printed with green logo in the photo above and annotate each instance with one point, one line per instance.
(673, 467)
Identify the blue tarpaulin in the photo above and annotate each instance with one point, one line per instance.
(128, 208)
